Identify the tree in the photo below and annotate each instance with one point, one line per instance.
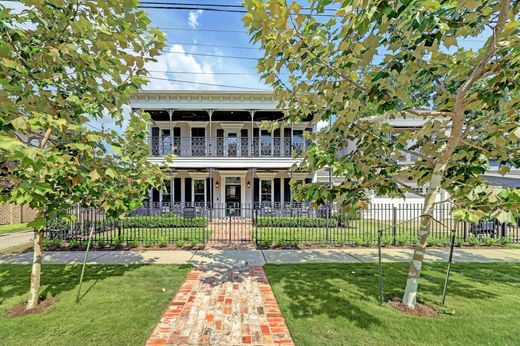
(368, 62)
(64, 63)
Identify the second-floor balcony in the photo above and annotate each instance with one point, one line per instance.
(227, 146)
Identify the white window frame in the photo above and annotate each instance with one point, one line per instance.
(260, 190)
(193, 190)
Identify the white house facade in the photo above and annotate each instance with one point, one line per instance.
(222, 154)
(224, 157)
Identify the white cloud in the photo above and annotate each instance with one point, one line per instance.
(193, 18)
(200, 72)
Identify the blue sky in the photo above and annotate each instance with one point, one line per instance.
(209, 69)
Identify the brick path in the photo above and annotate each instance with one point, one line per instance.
(220, 305)
(234, 235)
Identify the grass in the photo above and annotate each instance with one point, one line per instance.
(121, 304)
(337, 304)
(19, 227)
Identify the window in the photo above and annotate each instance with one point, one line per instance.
(166, 195)
(199, 191)
(233, 180)
(266, 191)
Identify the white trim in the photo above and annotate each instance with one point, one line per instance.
(193, 189)
(198, 175)
(266, 175)
(260, 190)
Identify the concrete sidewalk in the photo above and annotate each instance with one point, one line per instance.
(15, 239)
(261, 257)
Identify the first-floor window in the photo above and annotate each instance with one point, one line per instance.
(166, 194)
(199, 191)
(266, 191)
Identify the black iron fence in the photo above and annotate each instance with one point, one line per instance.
(274, 224)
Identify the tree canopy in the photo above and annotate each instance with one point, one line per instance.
(366, 63)
(64, 64)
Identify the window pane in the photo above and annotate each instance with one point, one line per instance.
(232, 180)
(198, 186)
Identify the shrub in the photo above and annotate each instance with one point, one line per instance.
(117, 242)
(489, 241)
(166, 220)
(163, 242)
(504, 241)
(180, 243)
(133, 243)
(57, 243)
(473, 241)
(267, 221)
(73, 243)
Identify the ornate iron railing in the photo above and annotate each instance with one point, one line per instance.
(227, 146)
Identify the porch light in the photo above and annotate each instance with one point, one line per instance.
(216, 184)
(248, 184)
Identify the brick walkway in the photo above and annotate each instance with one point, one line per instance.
(220, 305)
(230, 235)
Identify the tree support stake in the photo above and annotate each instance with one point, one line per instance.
(84, 263)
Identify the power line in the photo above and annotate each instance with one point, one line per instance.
(212, 45)
(203, 30)
(175, 3)
(188, 7)
(208, 84)
(208, 73)
(215, 55)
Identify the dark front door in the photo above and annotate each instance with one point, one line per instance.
(233, 195)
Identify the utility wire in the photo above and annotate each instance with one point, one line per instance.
(209, 73)
(207, 84)
(215, 55)
(187, 7)
(212, 45)
(175, 3)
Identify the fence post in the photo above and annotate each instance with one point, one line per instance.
(255, 217)
(394, 225)
(119, 229)
(380, 265)
(327, 235)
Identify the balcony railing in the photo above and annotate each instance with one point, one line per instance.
(227, 146)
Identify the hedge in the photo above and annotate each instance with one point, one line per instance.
(267, 221)
(163, 221)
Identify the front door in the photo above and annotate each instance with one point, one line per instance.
(233, 196)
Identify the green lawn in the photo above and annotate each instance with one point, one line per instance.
(337, 304)
(121, 304)
(19, 227)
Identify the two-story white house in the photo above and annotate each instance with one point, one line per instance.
(222, 155)
(225, 158)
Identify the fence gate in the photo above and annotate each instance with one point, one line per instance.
(231, 226)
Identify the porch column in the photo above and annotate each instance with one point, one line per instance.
(210, 113)
(251, 148)
(170, 115)
(291, 198)
(211, 186)
(253, 171)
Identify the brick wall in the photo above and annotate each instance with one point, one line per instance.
(12, 214)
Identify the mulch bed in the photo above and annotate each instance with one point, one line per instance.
(19, 310)
(420, 310)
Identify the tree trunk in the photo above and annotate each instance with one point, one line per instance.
(410, 293)
(36, 271)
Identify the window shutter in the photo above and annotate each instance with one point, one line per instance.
(287, 190)
(256, 191)
(177, 189)
(155, 195)
(208, 190)
(187, 190)
(277, 188)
